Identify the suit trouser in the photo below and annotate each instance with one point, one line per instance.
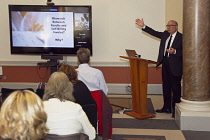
(171, 86)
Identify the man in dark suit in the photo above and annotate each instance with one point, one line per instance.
(170, 56)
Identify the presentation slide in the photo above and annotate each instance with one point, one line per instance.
(43, 29)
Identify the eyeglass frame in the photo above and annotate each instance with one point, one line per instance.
(171, 25)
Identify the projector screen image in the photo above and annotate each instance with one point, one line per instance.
(41, 29)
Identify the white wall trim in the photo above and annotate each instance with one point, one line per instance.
(121, 89)
(113, 88)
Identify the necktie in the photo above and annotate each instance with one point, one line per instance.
(168, 45)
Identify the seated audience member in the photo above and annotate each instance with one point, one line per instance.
(92, 77)
(23, 117)
(81, 92)
(64, 116)
(94, 80)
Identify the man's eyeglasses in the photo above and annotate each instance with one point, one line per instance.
(170, 25)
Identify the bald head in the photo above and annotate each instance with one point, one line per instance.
(172, 26)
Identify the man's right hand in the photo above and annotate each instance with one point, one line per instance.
(140, 22)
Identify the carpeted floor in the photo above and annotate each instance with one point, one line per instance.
(144, 124)
(137, 137)
(127, 123)
(120, 103)
(150, 129)
(196, 135)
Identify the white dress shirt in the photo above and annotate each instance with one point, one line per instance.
(92, 77)
(64, 118)
(172, 40)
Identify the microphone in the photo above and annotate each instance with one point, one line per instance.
(138, 56)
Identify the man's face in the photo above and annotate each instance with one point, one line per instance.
(172, 27)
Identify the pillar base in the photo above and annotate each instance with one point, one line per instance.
(195, 116)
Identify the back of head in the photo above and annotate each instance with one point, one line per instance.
(59, 86)
(70, 72)
(83, 55)
(23, 116)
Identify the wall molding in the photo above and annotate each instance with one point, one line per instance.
(73, 63)
(113, 88)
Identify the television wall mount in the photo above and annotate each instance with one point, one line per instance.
(50, 3)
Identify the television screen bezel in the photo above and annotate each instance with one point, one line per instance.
(48, 50)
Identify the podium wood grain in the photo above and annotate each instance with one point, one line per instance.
(139, 81)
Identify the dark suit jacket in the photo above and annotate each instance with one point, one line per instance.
(175, 60)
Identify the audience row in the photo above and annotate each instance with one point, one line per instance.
(63, 110)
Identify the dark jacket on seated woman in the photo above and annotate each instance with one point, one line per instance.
(81, 92)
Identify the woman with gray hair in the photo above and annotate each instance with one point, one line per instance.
(64, 116)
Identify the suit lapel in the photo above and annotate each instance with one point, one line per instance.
(175, 40)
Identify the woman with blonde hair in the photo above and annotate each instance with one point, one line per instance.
(23, 117)
(64, 116)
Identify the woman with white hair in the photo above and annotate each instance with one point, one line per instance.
(64, 115)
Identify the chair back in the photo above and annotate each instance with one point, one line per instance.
(91, 112)
(5, 92)
(77, 136)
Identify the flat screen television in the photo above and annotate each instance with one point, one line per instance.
(55, 30)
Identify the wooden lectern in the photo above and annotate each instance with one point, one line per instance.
(139, 80)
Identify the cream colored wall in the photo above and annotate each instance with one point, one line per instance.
(114, 29)
(174, 11)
